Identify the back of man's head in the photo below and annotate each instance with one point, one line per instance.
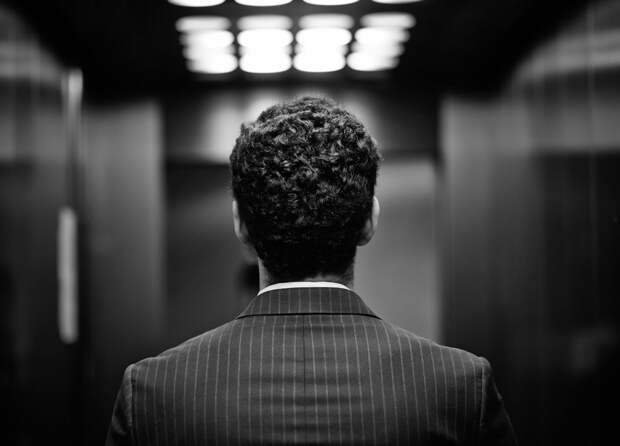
(303, 176)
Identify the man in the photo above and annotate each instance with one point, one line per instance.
(308, 362)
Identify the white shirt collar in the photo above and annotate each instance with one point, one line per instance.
(285, 285)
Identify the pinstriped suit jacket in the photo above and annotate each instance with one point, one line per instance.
(309, 366)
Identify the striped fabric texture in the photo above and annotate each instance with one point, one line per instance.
(309, 366)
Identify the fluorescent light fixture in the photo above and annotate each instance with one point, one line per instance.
(326, 21)
(321, 37)
(343, 49)
(330, 2)
(267, 51)
(263, 38)
(214, 64)
(395, 2)
(319, 62)
(385, 50)
(198, 52)
(388, 20)
(196, 3)
(209, 39)
(263, 2)
(202, 23)
(362, 61)
(264, 21)
(380, 36)
(263, 63)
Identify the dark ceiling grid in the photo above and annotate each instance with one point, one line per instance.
(132, 46)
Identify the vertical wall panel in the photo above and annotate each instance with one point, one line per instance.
(38, 371)
(126, 281)
(530, 231)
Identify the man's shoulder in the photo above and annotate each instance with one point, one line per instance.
(187, 348)
(435, 353)
(421, 349)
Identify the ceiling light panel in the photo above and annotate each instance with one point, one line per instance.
(388, 20)
(343, 49)
(196, 3)
(390, 50)
(263, 2)
(326, 21)
(264, 63)
(322, 37)
(319, 62)
(209, 39)
(264, 22)
(324, 42)
(198, 52)
(214, 64)
(363, 61)
(330, 2)
(266, 50)
(262, 38)
(381, 36)
(202, 23)
(395, 2)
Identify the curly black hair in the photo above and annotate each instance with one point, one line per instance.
(304, 175)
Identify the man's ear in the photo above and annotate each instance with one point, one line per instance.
(241, 230)
(371, 223)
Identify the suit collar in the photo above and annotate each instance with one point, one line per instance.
(304, 284)
(315, 300)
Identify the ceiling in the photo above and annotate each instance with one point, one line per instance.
(132, 46)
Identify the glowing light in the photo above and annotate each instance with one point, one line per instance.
(362, 61)
(217, 63)
(319, 62)
(326, 21)
(330, 2)
(264, 62)
(263, 2)
(264, 22)
(343, 49)
(388, 20)
(381, 36)
(209, 39)
(262, 38)
(314, 37)
(268, 51)
(196, 3)
(395, 2)
(385, 50)
(202, 23)
(198, 52)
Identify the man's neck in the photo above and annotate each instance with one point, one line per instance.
(265, 278)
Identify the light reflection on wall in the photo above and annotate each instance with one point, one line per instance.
(203, 126)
